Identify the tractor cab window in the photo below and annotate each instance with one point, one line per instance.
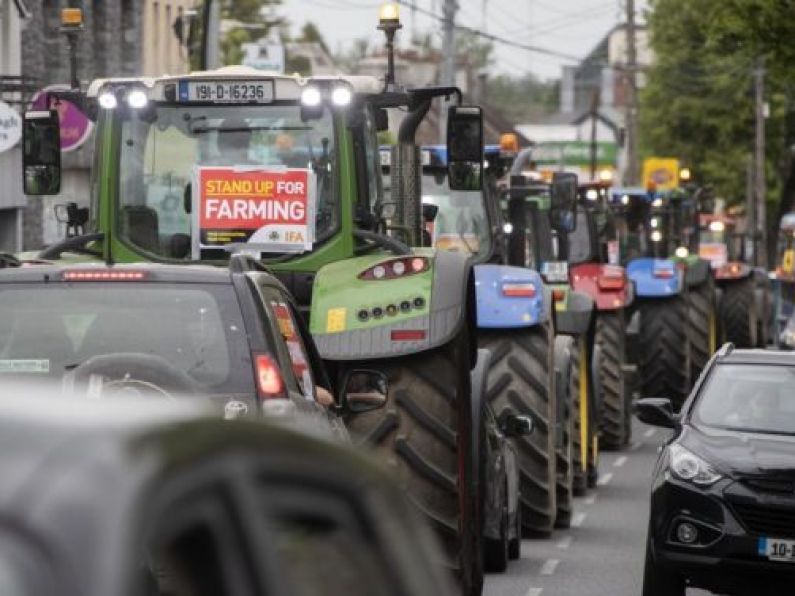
(162, 147)
(462, 223)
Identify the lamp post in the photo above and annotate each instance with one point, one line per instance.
(389, 23)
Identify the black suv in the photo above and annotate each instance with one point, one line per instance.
(723, 494)
(232, 336)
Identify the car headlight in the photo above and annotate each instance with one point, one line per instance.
(688, 466)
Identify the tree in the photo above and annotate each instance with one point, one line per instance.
(255, 24)
(698, 102)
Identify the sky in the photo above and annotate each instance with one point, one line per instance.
(571, 27)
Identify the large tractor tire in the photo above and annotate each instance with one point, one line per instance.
(615, 400)
(738, 313)
(583, 433)
(703, 326)
(424, 433)
(522, 378)
(665, 348)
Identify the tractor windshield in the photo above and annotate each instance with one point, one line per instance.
(162, 147)
(462, 223)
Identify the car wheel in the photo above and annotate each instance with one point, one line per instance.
(496, 551)
(515, 543)
(659, 582)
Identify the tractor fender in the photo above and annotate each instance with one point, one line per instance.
(697, 273)
(648, 285)
(608, 285)
(495, 310)
(575, 316)
(447, 289)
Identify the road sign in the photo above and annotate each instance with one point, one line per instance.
(75, 127)
(661, 173)
(10, 127)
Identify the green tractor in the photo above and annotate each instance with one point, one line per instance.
(190, 168)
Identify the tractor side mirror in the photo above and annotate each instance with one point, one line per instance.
(465, 148)
(429, 212)
(563, 202)
(381, 120)
(41, 153)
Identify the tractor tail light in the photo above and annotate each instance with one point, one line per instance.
(558, 295)
(395, 268)
(269, 378)
(729, 271)
(518, 290)
(611, 278)
(408, 335)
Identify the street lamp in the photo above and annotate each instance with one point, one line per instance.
(389, 23)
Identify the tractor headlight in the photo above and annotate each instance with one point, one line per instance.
(311, 97)
(137, 99)
(681, 252)
(686, 465)
(107, 100)
(341, 96)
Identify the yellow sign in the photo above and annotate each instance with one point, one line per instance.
(661, 173)
(335, 320)
(788, 261)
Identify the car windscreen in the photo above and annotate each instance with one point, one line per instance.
(162, 150)
(750, 398)
(462, 222)
(48, 330)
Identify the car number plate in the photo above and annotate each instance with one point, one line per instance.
(777, 549)
(226, 91)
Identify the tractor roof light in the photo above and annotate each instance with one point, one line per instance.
(71, 18)
(137, 99)
(107, 100)
(389, 15)
(606, 175)
(389, 23)
(311, 97)
(717, 226)
(509, 142)
(341, 96)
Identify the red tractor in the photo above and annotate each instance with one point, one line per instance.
(595, 270)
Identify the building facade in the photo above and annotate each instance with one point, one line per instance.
(119, 38)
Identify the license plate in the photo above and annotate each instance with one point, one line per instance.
(777, 549)
(555, 271)
(226, 91)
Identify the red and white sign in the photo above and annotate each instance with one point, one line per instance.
(266, 209)
(715, 252)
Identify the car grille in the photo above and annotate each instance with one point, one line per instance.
(786, 487)
(766, 521)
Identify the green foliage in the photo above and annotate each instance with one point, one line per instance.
(523, 99)
(248, 12)
(698, 102)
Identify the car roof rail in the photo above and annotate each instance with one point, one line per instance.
(240, 263)
(726, 349)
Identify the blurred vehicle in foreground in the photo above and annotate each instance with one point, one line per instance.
(723, 494)
(120, 497)
(229, 336)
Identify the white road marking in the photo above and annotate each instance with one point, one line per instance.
(549, 566)
(620, 461)
(635, 446)
(578, 519)
(564, 543)
(534, 592)
(605, 479)
(649, 433)
(590, 499)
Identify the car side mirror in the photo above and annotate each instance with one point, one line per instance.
(515, 425)
(656, 411)
(563, 202)
(364, 391)
(465, 148)
(41, 153)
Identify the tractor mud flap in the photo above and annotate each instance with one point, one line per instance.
(576, 317)
(697, 273)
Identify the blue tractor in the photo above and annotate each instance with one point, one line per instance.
(515, 323)
(674, 320)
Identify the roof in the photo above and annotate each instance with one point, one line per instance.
(157, 272)
(758, 356)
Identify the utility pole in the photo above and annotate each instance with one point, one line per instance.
(760, 232)
(211, 30)
(631, 100)
(448, 57)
